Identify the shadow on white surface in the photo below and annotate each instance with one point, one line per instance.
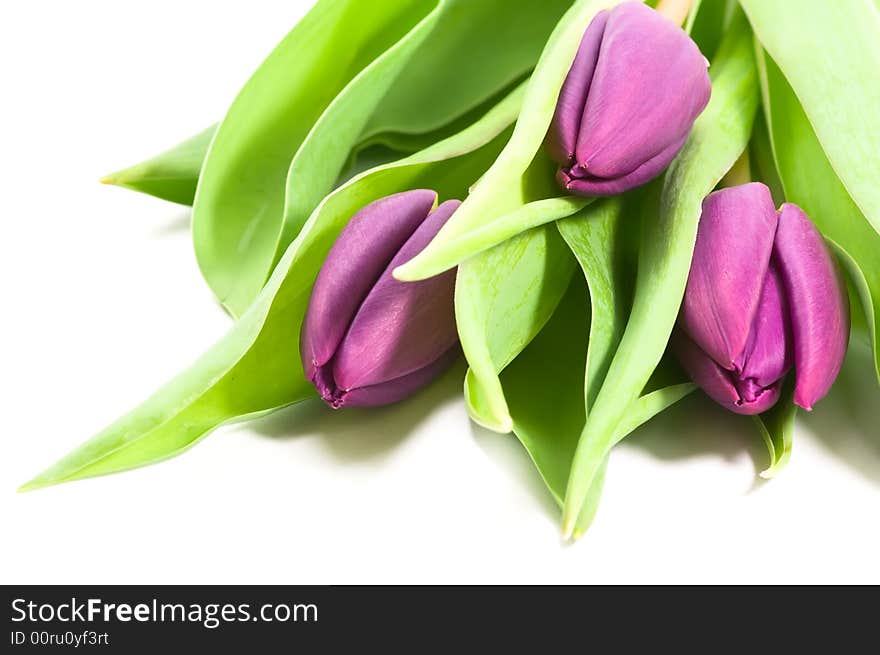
(847, 421)
(692, 428)
(506, 452)
(362, 433)
(696, 427)
(178, 222)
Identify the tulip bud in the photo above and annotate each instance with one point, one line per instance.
(764, 295)
(636, 86)
(368, 339)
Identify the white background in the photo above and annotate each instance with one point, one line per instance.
(102, 302)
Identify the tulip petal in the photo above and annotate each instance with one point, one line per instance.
(400, 327)
(649, 86)
(819, 304)
(358, 257)
(392, 391)
(564, 129)
(731, 258)
(768, 354)
(581, 183)
(718, 382)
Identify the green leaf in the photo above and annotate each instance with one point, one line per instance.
(476, 51)
(503, 297)
(719, 136)
(256, 367)
(830, 54)
(550, 385)
(290, 132)
(340, 54)
(170, 175)
(809, 180)
(492, 199)
(545, 388)
(776, 427)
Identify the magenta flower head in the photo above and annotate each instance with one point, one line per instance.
(368, 339)
(636, 86)
(764, 295)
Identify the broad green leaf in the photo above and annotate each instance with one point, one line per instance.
(718, 137)
(809, 180)
(830, 54)
(776, 427)
(503, 297)
(245, 216)
(342, 53)
(491, 200)
(256, 366)
(545, 388)
(478, 49)
(170, 175)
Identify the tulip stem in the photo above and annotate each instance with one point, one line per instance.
(675, 10)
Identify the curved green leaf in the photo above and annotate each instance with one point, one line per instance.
(830, 54)
(256, 366)
(503, 297)
(809, 180)
(173, 174)
(603, 245)
(604, 240)
(545, 388)
(246, 215)
(342, 53)
(477, 50)
(719, 136)
(527, 216)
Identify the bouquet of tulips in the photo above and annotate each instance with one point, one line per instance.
(603, 206)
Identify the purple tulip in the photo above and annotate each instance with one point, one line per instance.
(636, 86)
(763, 296)
(368, 339)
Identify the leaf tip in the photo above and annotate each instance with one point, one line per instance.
(401, 273)
(568, 524)
(32, 485)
